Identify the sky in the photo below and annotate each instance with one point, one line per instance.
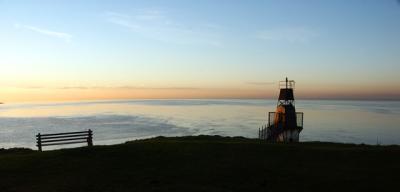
(112, 49)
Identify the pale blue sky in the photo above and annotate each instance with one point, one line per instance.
(202, 44)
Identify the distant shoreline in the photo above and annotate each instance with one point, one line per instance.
(215, 99)
(185, 99)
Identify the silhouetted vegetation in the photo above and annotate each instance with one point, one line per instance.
(203, 163)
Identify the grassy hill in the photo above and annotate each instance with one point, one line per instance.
(203, 163)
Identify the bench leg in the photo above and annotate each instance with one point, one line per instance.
(90, 138)
(39, 142)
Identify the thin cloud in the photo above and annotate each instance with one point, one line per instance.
(141, 87)
(261, 83)
(287, 34)
(76, 87)
(108, 87)
(151, 15)
(115, 14)
(124, 23)
(61, 35)
(156, 24)
(126, 87)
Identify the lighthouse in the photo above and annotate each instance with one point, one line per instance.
(285, 124)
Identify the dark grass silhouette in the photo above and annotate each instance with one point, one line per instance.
(203, 163)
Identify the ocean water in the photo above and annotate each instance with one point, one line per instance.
(117, 121)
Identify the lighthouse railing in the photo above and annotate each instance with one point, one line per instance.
(263, 132)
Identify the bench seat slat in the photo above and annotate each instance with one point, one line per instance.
(65, 136)
(63, 143)
(68, 133)
(84, 139)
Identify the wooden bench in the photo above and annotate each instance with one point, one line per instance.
(64, 138)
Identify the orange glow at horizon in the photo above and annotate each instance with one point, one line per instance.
(10, 95)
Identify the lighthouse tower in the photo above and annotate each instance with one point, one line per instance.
(285, 124)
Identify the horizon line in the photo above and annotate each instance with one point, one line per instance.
(128, 99)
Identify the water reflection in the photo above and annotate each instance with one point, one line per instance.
(118, 121)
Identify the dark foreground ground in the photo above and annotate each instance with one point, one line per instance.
(203, 163)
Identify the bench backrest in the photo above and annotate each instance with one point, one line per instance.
(64, 138)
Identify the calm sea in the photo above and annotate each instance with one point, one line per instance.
(117, 121)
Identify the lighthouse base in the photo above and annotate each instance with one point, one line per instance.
(288, 136)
